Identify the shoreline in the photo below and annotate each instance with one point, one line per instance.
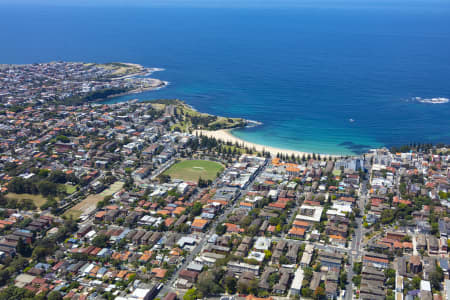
(134, 91)
(145, 72)
(225, 135)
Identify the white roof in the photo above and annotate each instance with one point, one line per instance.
(262, 243)
(183, 185)
(378, 167)
(306, 258)
(195, 266)
(204, 260)
(298, 279)
(273, 193)
(89, 268)
(90, 234)
(334, 212)
(256, 255)
(309, 248)
(315, 217)
(186, 240)
(342, 207)
(425, 285)
(253, 199)
(140, 293)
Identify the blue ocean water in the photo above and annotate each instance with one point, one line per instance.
(303, 71)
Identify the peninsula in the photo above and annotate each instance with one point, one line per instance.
(72, 82)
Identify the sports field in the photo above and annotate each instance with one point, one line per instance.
(38, 199)
(89, 204)
(70, 189)
(192, 170)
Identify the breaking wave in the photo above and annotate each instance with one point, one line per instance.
(438, 100)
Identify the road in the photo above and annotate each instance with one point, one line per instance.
(168, 285)
(162, 168)
(355, 252)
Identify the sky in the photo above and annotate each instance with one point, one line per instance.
(226, 3)
(157, 2)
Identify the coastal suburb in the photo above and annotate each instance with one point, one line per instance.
(142, 200)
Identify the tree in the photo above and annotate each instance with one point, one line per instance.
(17, 185)
(246, 221)
(197, 208)
(389, 273)
(273, 278)
(100, 241)
(415, 282)
(207, 283)
(221, 229)
(390, 282)
(436, 278)
(164, 178)
(54, 295)
(190, 294)
(43, 173)
(242, 287)
(267, 254)
(387, 216)
(50, 203)
(63, 138)
(14, 293)
(390, 295)
(40, 252)
(306, 292)
(230, 284)
(129, 183)
(278, 228)
(435, 228)
(357, 267)
(319, 293)
(284, 260)
(183, 228)
(47, 188)
(202, 183)
(4, 277)
(253, 286)
(308, 273)
(343, 280)
(23, 248)
(57, 177)
(356, 280)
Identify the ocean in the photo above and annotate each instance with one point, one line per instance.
(322, 78)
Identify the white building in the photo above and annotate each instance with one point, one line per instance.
(262, 244)
(296, 285)
(310, 213)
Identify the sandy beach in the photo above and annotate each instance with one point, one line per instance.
(226, 136)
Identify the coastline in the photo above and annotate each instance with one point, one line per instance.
(225, 135)
(155, 83)
(162, 84)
